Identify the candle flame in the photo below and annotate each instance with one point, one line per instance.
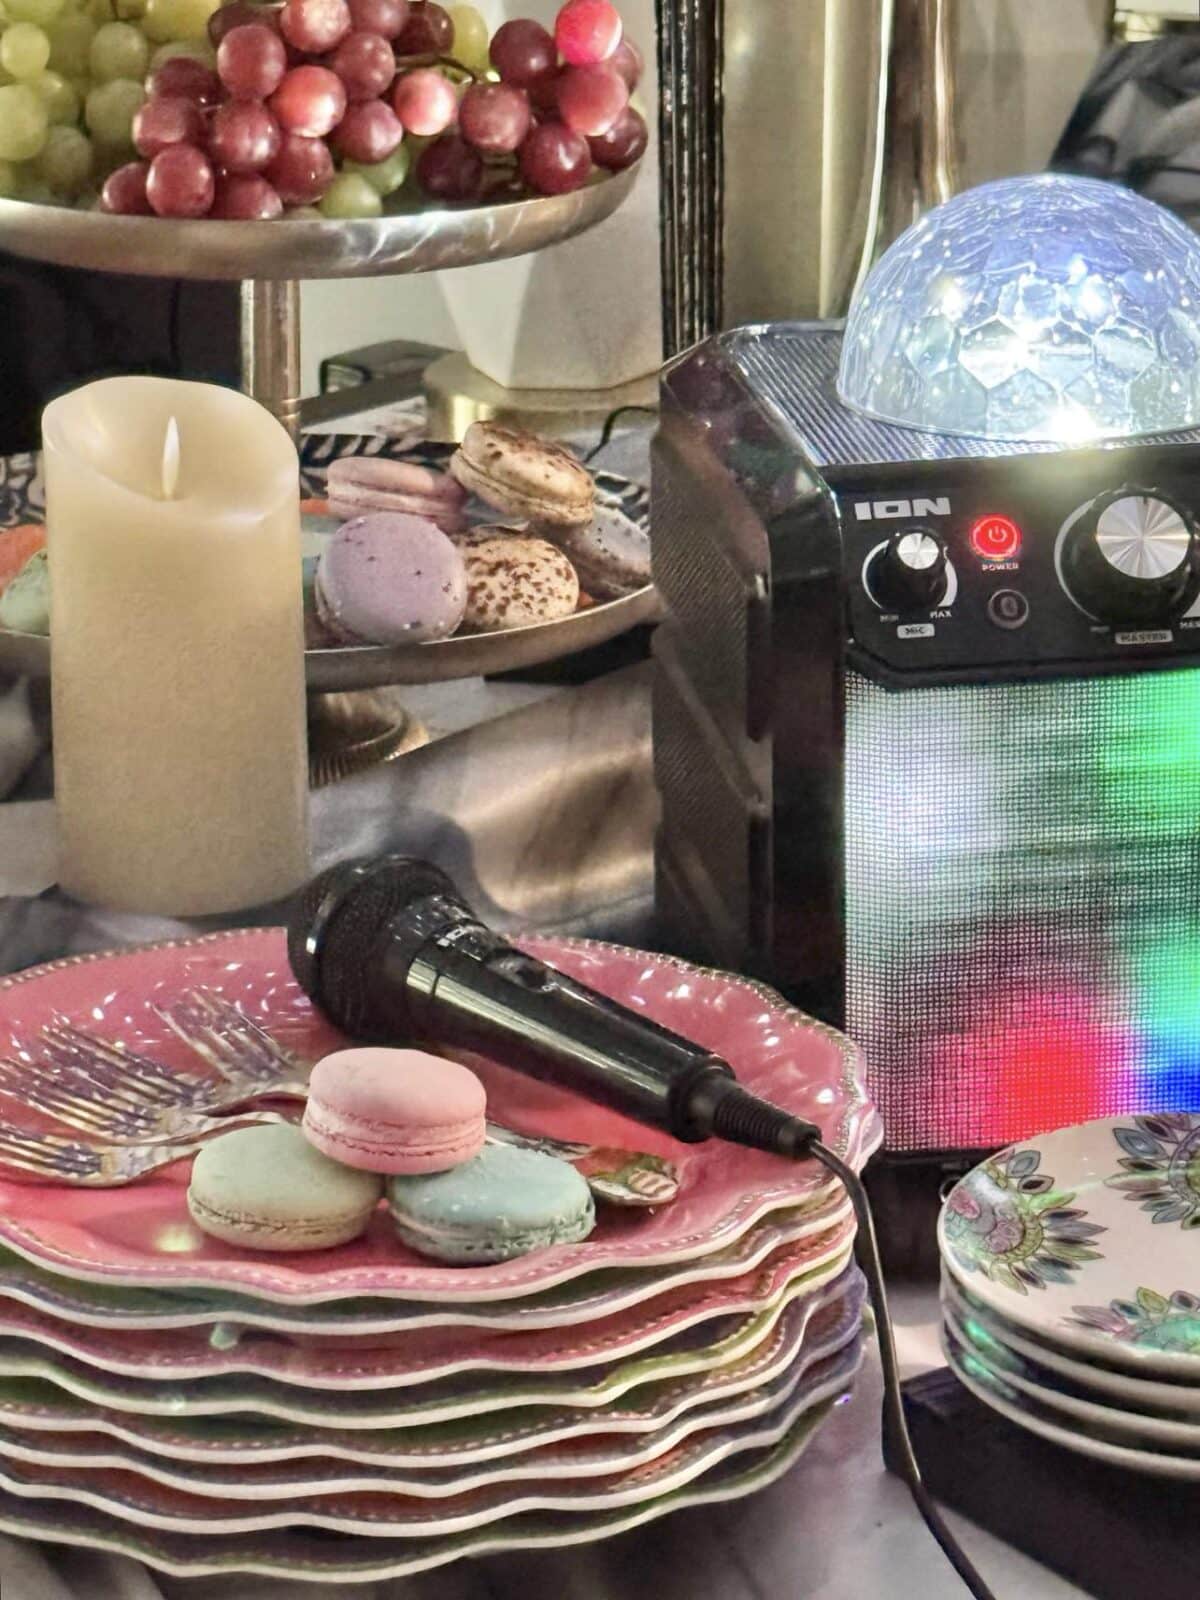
(170, 460)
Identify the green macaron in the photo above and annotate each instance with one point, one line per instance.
(504, 1203)
(267, 1188)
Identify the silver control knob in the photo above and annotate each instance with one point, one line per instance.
(1131, 557)
(1143, 538)
(908, 573)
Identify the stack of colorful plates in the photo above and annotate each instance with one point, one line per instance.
(1071, 1289)
(361, 1412)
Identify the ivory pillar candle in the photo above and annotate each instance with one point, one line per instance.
(173, 531)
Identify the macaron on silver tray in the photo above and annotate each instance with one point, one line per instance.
(332, 667)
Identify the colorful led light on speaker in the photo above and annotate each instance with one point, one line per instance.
(1047, 307)
(1023, 903)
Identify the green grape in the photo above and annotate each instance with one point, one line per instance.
(350, 195)
(65, 162)
(24, 50)
(8, 180)
(33, 189)
(109, 111)
(192, 48)
(470, 44)
(385, 177)
(60, 98)
(70, 41)
(39, 11)
(164, 20)
(119, 50)
(303, 214)
(23, 122)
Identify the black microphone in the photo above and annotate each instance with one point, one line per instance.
(387, 950)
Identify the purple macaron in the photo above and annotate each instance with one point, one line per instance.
(390, 579)
(357, 485)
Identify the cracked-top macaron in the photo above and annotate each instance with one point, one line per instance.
(505, 1203)
(268, 1188)
(395, 1110)
(523, 475)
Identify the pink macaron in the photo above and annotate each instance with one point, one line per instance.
(390, 579)
(355, 485)
(395, 1111)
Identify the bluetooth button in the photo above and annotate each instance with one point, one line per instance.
(1008, 608)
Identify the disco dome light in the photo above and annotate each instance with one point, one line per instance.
(1043, 308)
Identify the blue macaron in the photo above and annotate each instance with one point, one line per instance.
(504, 1203)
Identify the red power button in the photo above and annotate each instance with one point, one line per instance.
(996, 538)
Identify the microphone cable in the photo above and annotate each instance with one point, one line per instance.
(893, 1400)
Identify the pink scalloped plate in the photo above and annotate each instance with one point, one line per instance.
(142, 1236)
(246, 1439)
(129, 1496)
(176, 1355)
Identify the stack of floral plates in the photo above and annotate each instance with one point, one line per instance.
(1071, 1289)
(361, 1412)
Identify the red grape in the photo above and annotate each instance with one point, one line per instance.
(170, 119)
(124, 192)
(244, 137)
(623, 144)
(425, 102)
(449, 169)
(302, 171)
(555, 159)
(365, 64)
(369, 132)
(523, 53)
(590, 99)
(629, 61)
(494, 117)
(184, 75)
(180, 182)
(310, 101)
(315, 26)
(386, 17)
(237, 14)
(245, 197)
(587, 32)
(251, 61)
(543, 95)
(428, 31)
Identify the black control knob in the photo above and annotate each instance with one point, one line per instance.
(909, 573)
(1130, 556)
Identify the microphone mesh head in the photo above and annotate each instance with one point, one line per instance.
(338, 934)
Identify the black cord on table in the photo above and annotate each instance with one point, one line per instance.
(892, 1399)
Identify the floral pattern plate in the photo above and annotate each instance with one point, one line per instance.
(1085, 1237)
(129, 1496)
(829, 1316)
(142, 1236)
(829, 1350)
(995, 1391)
(1107, 1385)
(600, 1294)
(1072, 1402)
(707, 1344)
(316, 1558)
(180, 1355)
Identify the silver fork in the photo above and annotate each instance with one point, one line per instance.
(91, 1166)
(114, 1094)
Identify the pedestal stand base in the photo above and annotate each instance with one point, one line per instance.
(349, 732)
(458, 395)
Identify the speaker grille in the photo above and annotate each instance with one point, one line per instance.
(1023, 903)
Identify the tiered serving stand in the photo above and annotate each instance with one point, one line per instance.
(349, 727)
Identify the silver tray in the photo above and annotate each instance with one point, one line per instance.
(337, 668)
(400, 241)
